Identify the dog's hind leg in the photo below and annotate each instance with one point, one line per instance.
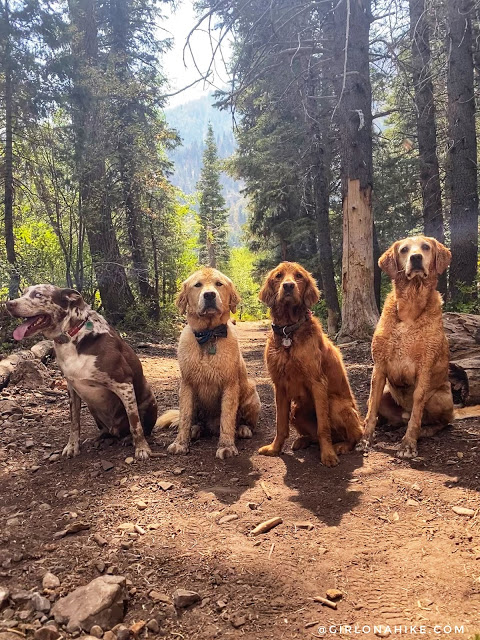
(126, 394)
(72, 447)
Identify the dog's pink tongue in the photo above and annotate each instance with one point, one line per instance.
(21, 330)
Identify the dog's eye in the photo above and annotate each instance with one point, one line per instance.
(38, 295)
(404, 250)
(426, 247)
(279, 275)
(197, 284)
(298, 276)
(219, 284)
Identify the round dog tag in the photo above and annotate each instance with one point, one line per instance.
(286, 342)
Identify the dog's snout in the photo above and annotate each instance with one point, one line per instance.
(288, 286)
(10, 304)
(209, 295)
(416, 259)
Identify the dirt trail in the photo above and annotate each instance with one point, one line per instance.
(384, 532)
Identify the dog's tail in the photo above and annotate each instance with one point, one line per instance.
(467, 412)
(168, 419)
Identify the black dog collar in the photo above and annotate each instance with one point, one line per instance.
(207, 334)
(286, 329)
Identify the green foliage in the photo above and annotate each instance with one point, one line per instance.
(240, 270)
(213, 237)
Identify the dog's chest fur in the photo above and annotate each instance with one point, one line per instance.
(81, 372)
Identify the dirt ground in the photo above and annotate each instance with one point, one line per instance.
(382, 530)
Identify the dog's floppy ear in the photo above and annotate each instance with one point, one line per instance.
(234, 297)
(442, 256)
(311, 295)
(71, 297)
(267, 292)
(388, 262)
(182, 298)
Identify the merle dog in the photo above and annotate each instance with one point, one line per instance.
(100, 368)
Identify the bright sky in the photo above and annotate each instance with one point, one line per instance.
(178, 24)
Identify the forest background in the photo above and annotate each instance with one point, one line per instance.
(345, 125)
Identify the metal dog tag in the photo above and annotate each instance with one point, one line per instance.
(286, 342)
(212, 348)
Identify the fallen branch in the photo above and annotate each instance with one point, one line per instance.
(263, 527)
(325, 602)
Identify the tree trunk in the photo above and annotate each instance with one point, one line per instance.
(354, 116)
(426, 126)
(14, 273)
(462, 164)
(90, 147)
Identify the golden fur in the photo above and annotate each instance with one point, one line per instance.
(310, 381)
(409, 348)
(214, 390)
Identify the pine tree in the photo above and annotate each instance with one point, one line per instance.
(213, 238)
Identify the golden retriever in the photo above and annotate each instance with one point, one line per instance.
(410, 350)
(310, 381)
(215, 390)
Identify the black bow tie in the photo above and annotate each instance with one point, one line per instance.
(204, 336)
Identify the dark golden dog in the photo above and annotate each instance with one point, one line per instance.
(410, 350)
(311, 385)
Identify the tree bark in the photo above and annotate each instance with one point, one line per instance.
(94, 208)
(14, 273)
(354, 117)
(462, 165)
(426, 126)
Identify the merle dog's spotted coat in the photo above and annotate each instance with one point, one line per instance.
(100, 368)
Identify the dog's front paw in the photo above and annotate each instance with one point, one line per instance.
(407, 449)
(269, 450)
(244, 432)
(178, 448)
(302, 442)
(142, 452)
(227, 452)
(329, 458)
(71, 449)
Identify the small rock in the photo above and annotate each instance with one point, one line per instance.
(322, 550)
(460, 454)
(395, 517)
(48, 632)
(238, 621)
(109, 635)
(141, 505)
(123, 633)
(40, 603)
(101, 602)
(137, 627)
(54, 457)
(100, 540)
(153, 626)
(106, 464)
(100, 566)
(50, 581)
(127, 545)
(13, 522)
(221, 604)
(382, 632)
(252, 505)
(412, 503)
(304, 525)
(183, 598)
(451, 462)
(4, 595)
(178, 472)
(44, 506)
(159, 597)
(96, 631)
(463, 511)
(29, 444)
(129, 460)
(21, 596)
(165, 486)
(229, 518)
(128, 527)
(334, 594)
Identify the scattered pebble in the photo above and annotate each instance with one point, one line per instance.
(48, 632)
(238, 621)
(229, 518)
(183, 598)
(96, 631)
(463, 511)
(153, 626)
(178, 471)
(50, 581)
(412, 503)
(141, 505)
(334, 594)
(165, 486)
(129, 460)
(304, 525)
(137, 627)
(159, 597)
(106, 465)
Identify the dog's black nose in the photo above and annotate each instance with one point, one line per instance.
(416, 259)
(209, 295)
(288, 286)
